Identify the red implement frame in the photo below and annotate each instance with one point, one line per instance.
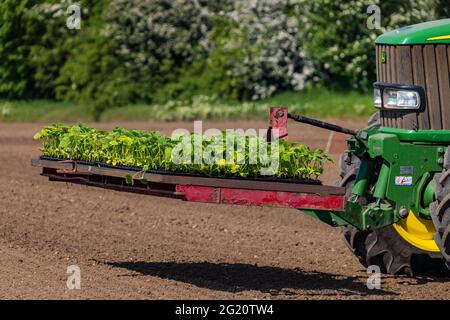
(198, 189)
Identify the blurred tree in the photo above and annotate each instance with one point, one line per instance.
(47, 39)
(158, 50)
(33, 47)
(22, 35)
(13, 74)
(93, 73)
(341, 44)
(443, 9)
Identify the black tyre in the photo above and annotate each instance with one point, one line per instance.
(387, 249)
(440, 209)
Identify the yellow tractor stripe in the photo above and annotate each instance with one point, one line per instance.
(447, 37)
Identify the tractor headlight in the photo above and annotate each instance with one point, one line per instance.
(399, 97)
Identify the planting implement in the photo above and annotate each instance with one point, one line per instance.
(393, 192)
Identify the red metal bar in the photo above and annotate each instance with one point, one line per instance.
(208, 194)
(262, 198)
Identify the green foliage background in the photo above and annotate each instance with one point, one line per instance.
(157, 51)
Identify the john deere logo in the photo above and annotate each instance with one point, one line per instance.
(383, 57)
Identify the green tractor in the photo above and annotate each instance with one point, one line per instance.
(397, 171)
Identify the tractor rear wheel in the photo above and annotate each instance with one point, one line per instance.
(388, 247)
(440, 209)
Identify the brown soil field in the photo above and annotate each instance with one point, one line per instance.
(132, 246)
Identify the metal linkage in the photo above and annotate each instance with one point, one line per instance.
(321, 124)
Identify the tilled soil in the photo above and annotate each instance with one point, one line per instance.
(140, 247)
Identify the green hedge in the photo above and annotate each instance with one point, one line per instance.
(341, 44)
(154, 51)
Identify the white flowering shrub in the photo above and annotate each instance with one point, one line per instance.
(251, 47)
(272, 56)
